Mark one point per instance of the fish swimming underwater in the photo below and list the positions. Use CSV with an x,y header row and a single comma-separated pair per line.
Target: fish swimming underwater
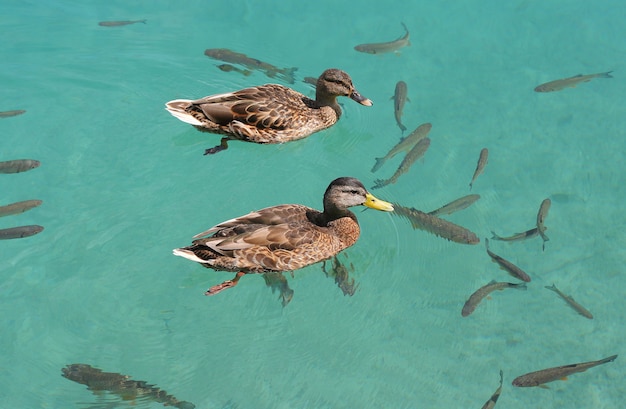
x,y
480,166
534,232
120,23
20,232
571,302
571,82
19,207
18,165
405,144
436,226
232,57
491,403
386,47
482,292
456,205
541,218
414,154
120,385
507,266
543,376
399,99
8,114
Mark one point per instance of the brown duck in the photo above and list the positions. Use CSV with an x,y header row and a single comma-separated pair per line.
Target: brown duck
x,y
268,113
284,237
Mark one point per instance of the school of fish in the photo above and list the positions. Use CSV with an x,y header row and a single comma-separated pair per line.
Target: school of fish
x,y
415,146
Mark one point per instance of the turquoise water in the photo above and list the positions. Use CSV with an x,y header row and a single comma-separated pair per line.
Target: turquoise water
x,y
123,183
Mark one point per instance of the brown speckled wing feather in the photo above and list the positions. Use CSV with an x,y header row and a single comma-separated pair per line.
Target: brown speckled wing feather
x,y
270,106
268,216
283,236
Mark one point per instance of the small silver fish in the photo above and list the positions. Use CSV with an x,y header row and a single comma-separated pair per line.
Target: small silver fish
x,y
20,232
507,266
534,232
18,165
19,207
456,205
8,114
399,99
475,299
570,82
491,403
120,23
387,47
541,217
414,154
405,144
482,162
543,376
436,226
570,301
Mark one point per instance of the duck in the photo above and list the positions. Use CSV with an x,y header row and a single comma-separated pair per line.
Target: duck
x,y
285,237
270,113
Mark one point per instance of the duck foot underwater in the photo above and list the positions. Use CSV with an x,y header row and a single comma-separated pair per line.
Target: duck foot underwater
x,y
225,285
221,147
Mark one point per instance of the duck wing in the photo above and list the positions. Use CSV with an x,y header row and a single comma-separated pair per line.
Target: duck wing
x,y
289,236
269,216
270,106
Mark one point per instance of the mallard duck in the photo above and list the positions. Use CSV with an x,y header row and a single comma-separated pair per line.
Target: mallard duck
x,y
268,113
285,237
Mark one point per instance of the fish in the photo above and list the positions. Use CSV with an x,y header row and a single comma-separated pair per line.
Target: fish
x,y
414,154
482,162
232,68
456,205
8,114
20,232
570,301
405,144
399,99
570,82
18,165
543,376
534,232
491,403
436,226
478,295
19,207
507,266
310,81
541,217
120,23
232,57
387,47
120,385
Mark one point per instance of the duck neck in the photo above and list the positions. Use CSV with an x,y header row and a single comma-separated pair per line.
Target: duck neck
x,y
330,214
326,100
